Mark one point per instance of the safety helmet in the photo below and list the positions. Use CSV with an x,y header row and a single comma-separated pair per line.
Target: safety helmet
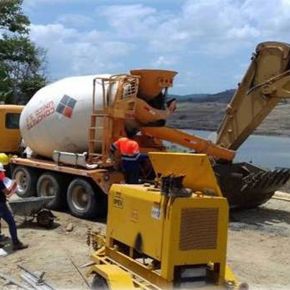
x,y
4,159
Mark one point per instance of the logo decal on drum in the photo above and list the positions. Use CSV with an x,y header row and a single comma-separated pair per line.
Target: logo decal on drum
x,y
66,106
38,115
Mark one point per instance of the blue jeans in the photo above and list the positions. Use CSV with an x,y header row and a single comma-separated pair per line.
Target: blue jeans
x,y
7,216
132,177
131,171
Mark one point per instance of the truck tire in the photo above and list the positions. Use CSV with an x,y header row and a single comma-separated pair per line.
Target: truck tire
x,y
26,179
50,184
81,199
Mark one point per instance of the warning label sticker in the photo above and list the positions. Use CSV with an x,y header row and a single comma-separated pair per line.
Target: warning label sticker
x,y
156,212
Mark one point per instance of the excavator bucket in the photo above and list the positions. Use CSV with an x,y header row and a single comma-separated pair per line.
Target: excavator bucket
x,y
248,186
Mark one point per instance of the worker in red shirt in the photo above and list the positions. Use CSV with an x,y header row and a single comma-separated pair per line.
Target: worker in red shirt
x,y
130,156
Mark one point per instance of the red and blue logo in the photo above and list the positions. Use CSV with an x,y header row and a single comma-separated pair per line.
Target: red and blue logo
x,y
66,106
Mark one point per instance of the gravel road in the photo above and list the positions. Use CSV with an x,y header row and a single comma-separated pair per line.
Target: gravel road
x,y
258,248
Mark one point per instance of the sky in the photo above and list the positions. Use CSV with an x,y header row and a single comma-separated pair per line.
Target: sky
x,y
208,42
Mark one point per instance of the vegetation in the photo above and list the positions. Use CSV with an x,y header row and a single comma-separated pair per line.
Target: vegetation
x,y
21,62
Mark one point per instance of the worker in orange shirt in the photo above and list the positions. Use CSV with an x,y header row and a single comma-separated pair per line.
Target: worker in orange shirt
x,y
130,156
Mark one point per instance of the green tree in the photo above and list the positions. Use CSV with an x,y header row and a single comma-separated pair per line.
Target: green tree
x,y
21,62
5,90
12,17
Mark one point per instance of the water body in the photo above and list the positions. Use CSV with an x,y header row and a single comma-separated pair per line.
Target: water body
x,y
265,151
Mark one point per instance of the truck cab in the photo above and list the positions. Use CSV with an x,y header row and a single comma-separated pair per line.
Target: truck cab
x,y
9,128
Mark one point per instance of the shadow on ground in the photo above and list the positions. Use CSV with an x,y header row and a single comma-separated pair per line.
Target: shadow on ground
x,y
261,218
25,224
260,215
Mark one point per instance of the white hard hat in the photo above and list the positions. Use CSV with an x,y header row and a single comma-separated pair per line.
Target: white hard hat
x,y
2,167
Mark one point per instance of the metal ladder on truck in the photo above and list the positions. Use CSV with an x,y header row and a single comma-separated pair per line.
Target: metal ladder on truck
x,y
119,93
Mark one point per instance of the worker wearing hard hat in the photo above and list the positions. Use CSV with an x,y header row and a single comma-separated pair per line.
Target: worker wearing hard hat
x,y
130,156
6,214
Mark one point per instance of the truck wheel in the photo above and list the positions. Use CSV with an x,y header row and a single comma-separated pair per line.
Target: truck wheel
x,y
49,184
99,283
81,199
26,180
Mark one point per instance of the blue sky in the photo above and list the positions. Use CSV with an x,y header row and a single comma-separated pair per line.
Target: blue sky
x,y
208,42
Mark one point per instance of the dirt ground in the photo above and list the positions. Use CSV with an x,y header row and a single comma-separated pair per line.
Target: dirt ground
x,y
258,249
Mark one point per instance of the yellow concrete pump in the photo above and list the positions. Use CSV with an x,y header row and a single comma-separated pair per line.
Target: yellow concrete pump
x,y
171,234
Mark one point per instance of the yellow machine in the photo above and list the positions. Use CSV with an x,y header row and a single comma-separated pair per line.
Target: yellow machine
x,y
171,235
9,128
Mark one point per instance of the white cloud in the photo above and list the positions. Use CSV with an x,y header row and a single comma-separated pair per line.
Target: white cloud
x,y
72,52
51,33
130,21
204,24
194,31
33,3
164,61
75,20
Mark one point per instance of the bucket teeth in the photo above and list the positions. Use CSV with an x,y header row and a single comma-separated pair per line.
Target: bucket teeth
x,y
246,185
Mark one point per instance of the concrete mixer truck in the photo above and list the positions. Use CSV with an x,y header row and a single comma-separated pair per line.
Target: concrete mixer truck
x,y
68,126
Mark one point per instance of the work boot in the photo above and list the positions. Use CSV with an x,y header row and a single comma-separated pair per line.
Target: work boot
x,y
19,246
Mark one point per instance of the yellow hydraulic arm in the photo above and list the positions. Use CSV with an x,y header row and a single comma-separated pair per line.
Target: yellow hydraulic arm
x,y
266,81
196,143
